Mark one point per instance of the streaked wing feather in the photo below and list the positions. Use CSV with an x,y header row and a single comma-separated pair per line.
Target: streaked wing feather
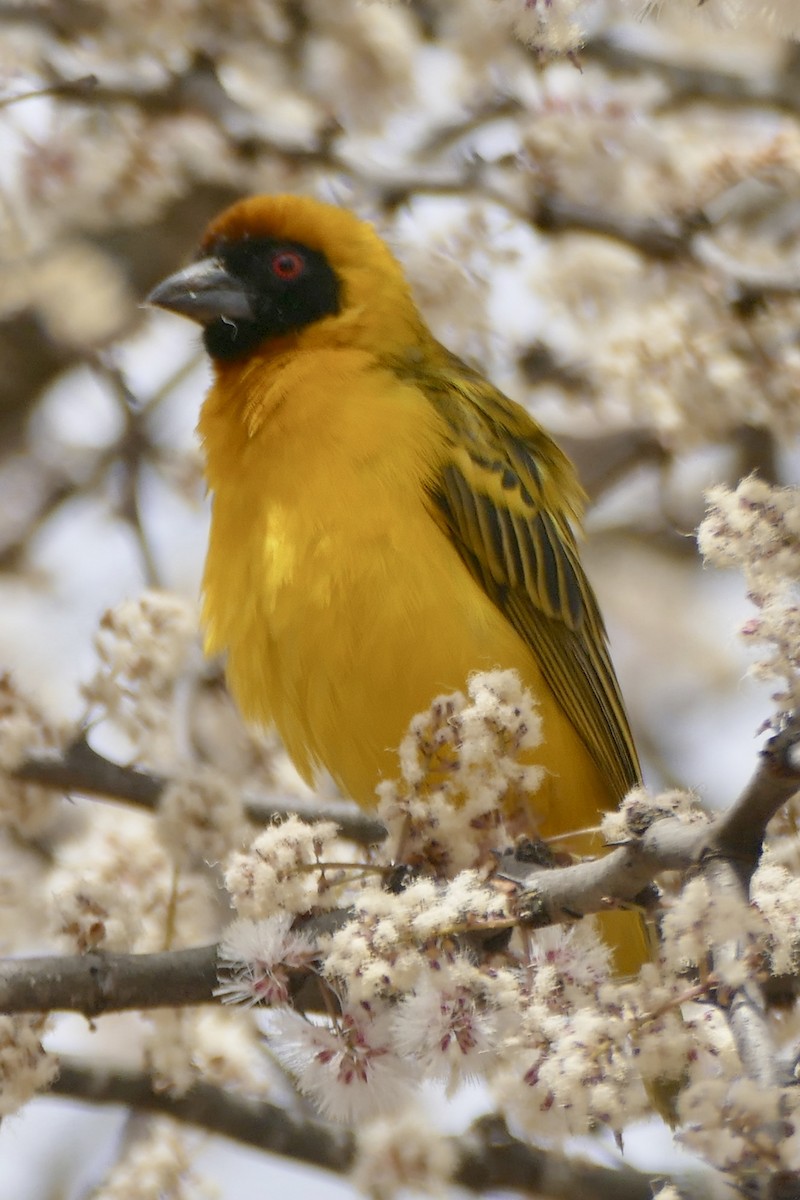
x,y
506,497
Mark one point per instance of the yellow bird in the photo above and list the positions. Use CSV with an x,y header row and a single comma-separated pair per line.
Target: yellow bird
x,y
384,521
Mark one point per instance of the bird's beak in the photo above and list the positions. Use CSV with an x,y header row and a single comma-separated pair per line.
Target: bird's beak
x,y
203,292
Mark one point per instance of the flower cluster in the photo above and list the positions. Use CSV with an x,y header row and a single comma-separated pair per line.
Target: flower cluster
x,y
25,732
740,1126
114,887
201,816
757,529
158,1162
283,870
699,919
554,28
465,768
142,646
427,981
423,977
256,959
25,1066
638,810
776,895
406,1152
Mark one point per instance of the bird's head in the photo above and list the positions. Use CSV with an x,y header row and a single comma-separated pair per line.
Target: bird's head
x,y
272,267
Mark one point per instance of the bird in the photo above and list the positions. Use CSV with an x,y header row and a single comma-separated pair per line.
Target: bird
x,y
384,521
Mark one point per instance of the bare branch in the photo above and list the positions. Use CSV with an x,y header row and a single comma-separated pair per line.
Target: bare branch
x,y
688,83
728,865
81,769
668,238
251,1122
93,984
488,1157
740,829
735,837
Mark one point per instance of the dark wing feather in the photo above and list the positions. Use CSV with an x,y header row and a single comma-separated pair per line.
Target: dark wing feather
x,y
507,498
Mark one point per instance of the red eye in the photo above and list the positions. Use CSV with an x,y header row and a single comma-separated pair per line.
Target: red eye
x,y
288,264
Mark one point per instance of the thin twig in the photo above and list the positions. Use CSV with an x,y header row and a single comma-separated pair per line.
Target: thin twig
x,y
80,769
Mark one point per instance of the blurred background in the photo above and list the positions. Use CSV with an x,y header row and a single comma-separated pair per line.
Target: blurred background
x,y
598,206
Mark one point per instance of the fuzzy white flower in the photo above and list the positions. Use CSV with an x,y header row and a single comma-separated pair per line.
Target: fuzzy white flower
x,y
736,1123
757,529
467,766
229,1049
567,964
568,1072
463,903
201,816
115,888
375,956
350,1069
257,957
776,895
169,1050
280,869
639,809
81,295
698,921
556,27
402,1154
394,939
142,646
25,1065
25,732
777,17
156,1164
447,1026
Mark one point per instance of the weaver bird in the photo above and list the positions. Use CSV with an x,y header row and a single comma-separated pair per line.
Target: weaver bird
x,y
384,521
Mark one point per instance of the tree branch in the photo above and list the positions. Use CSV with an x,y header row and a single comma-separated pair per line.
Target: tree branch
x,y
689,84
726,849
81,769
735,836
488,1157
251,1122
93,984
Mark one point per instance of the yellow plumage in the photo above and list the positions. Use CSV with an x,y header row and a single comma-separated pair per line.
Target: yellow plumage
x,y
386,522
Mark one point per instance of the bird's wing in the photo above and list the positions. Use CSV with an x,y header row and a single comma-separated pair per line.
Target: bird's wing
x,y
506,497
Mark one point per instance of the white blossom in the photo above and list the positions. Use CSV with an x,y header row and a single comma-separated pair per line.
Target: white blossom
x,y
256,957
157,1163
281,869
142,646
349,1069
25,732
757,528
403,1153
699,921
447,1025
25,1066
466,764
201,816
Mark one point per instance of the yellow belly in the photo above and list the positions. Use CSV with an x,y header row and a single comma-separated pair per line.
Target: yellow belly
x,y
378,629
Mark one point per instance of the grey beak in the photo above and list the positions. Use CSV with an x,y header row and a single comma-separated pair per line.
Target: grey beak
x,y
203,292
